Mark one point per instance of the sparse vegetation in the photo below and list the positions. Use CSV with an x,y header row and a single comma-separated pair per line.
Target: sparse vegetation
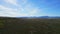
x,y
25,26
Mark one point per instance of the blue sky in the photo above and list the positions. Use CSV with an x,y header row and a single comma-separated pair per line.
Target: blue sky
x,y
28,8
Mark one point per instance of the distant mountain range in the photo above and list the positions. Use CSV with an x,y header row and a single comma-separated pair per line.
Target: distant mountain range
x,y
47,17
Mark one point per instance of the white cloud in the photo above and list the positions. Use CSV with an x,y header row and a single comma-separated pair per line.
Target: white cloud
x,y
4,11
14,2
28,8
20,11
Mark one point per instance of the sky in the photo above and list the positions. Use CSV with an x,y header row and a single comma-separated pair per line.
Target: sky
x,y
28,8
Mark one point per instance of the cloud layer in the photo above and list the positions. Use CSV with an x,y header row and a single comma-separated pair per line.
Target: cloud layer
x,y
23,9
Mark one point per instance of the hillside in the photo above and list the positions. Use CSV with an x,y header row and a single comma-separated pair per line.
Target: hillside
x,y
28,26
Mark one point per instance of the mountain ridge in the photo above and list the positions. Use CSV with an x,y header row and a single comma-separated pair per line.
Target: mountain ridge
x,y
34,17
